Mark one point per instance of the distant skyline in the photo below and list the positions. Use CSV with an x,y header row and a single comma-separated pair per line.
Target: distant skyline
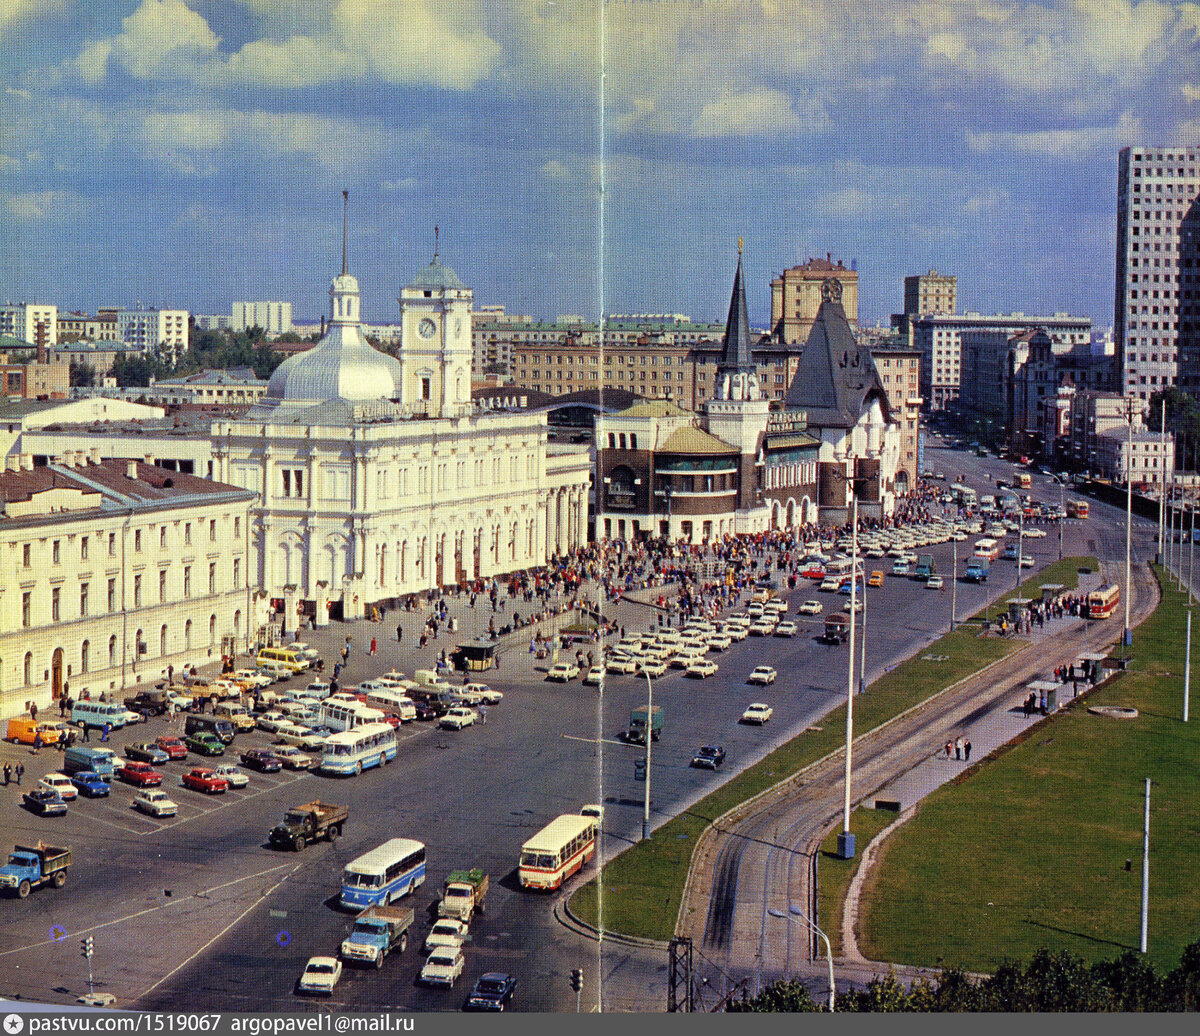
x,y
189,153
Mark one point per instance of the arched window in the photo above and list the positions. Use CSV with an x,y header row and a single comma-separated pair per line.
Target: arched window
x,y
622,440
612,440
27,671
633,440
162,640
84,651
112,650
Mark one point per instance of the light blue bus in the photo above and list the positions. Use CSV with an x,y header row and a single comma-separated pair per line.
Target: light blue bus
x,y
386,873
352,751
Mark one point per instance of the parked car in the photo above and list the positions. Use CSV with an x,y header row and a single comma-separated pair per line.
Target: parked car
x,y
709,756
446,931
261,759
291,757
652,667
204,743
757,712
763,674
140,774
205,780
701,668
173,746
91,784
60,784
232,774
424,711
320,975
621,664
563,671
301,737
494,991
786,629
147,752
271,721
156,803
44,802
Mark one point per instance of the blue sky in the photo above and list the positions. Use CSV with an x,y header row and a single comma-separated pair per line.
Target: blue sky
x,y
192,152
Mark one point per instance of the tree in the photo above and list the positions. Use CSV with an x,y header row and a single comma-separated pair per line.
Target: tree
x,y
82,374
137,370
780,997
1183,420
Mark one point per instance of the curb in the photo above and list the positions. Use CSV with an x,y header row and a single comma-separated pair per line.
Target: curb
x,y
564,916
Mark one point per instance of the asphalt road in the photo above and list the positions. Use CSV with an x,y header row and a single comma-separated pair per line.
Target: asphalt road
x,y
199,913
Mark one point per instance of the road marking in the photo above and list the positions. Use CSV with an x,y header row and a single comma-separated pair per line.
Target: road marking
x,y
162,906
230,802
235,921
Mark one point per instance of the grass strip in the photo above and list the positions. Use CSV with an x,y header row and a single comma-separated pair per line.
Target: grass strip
x,y
835,874
1032,851
643,886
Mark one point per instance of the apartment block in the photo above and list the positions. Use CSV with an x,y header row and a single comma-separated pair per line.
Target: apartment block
x,y
275,318
1158,269
796,297
33,323
900,371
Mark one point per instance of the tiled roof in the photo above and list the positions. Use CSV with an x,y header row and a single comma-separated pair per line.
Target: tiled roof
x,y
655,408
695,441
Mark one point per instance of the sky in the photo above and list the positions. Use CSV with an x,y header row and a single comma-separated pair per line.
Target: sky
x,y
578,157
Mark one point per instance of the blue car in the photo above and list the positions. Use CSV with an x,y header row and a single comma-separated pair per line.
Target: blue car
x,y
91,784
44,802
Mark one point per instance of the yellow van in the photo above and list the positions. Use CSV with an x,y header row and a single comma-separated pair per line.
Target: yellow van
x,y
23,730
287,656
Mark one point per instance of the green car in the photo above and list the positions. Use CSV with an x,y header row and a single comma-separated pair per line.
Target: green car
x,y
203,743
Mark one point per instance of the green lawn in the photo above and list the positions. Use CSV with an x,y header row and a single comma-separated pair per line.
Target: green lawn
x,y
835,874
1031,851
644,885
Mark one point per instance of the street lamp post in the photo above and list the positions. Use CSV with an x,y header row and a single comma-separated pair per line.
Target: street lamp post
x,y
846,839
794,912
954,584
649,733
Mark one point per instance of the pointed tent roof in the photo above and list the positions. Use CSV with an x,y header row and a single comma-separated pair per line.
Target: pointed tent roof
x,y
836,378
737,327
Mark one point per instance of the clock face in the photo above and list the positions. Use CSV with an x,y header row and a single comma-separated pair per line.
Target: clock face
x,y
426,328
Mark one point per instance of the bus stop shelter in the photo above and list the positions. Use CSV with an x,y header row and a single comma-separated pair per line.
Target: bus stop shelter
x,y
1050,591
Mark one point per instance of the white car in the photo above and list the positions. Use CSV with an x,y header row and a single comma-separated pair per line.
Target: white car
x,y
232,774
592,809
321,974
156,803
685,659
594,676
785,629
253,677
1035,534
291,757
811,608
830,584
563,671
621,664
301,737
59,783
469,695
735,631
934,582
444,965
763,628
719,641
762,674
446,932
457,718
757,712
486,694
1026,561
652,667
701,668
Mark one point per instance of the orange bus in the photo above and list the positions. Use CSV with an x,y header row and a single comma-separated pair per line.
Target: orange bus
x,y
1103,601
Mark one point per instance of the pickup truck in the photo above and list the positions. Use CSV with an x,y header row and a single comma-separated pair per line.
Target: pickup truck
x,y
377,930
462,894
307,823
31,866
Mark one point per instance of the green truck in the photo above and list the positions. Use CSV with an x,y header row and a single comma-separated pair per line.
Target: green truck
x,y
637,724
462,894
308,822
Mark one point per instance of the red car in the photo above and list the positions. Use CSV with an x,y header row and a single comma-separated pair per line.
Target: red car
x,y
141,774
205,780
391,719
173,746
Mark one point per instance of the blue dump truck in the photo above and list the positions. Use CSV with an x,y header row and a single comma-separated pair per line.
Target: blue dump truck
x,y
925,567
31,866
977,570
376,931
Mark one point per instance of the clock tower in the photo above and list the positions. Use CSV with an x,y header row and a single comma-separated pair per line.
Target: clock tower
x,y
435,343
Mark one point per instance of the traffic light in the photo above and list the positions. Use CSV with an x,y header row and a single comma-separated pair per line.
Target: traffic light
x,y
88,946
639,769
577,979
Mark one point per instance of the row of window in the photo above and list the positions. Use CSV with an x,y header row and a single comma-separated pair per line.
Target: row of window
x,y
112,602
85,542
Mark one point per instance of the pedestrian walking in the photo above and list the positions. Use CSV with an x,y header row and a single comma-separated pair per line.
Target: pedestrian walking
x,y
37,742
7,774
399,634
107,730
33,711
19,772
949,748
373,647
958,744
967,751
87,733
345,653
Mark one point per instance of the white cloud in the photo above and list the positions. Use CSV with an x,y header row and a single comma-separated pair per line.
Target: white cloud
x,y
28,206
1190,92
554,170
1060,143
6,162
13,91
752,113
12,11
161,39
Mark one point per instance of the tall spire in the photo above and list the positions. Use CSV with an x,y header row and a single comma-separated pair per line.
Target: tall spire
x,y
435,242
345,205
737,325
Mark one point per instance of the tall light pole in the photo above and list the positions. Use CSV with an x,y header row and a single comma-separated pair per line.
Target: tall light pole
x,y
954,581
794,912
1146,867
649,739
1162,494
846,839
1125,638
862,662
1062,514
